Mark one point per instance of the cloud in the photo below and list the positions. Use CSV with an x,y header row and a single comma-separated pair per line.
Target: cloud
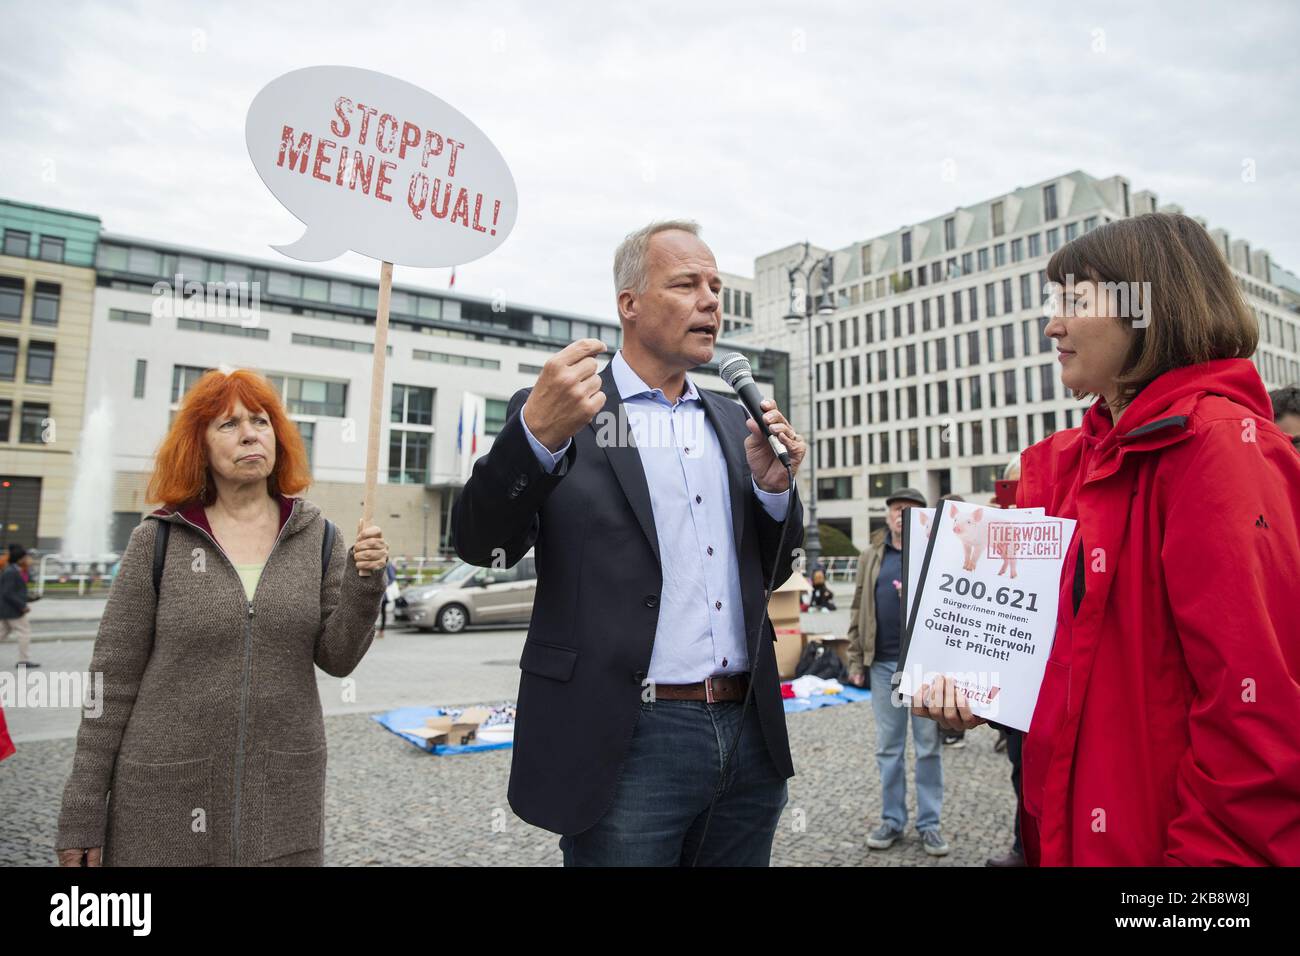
x,y
768,124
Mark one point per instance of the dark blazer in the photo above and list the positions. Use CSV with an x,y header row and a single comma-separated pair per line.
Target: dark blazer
x,y
594,616
13,593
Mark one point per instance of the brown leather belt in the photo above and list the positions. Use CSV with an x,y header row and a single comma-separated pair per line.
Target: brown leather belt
x,y
713,690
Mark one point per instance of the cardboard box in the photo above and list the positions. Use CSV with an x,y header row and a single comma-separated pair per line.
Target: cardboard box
x,y
462,731
789,648
783,607
423,733
783,610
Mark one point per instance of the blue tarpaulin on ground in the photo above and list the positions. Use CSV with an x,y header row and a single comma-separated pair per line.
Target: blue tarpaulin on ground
x,y
405,718
849,695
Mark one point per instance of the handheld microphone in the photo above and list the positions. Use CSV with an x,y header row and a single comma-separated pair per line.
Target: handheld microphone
x,y
734,369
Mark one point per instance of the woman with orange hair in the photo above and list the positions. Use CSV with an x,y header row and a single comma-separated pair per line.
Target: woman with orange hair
x,y
208,747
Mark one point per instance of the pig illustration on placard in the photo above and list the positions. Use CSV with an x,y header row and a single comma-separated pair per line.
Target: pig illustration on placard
x,y
924,518
1007,553
973,532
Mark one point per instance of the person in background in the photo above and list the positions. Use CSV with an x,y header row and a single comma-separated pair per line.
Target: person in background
x,y
390,595
821,594
1010,739
1286,412
875,642
14,603
6,743
1165,727
955,739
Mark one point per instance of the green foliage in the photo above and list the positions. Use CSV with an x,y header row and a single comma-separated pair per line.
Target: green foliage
x,y
835,543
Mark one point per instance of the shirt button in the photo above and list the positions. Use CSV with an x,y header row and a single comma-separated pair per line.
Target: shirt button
x,y
710,550
717,605
652,600
698,499
687,450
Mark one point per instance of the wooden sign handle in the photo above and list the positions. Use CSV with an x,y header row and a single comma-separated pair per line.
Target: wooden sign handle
x,y
376,395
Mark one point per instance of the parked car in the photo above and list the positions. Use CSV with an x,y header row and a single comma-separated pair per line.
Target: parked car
x,y
466,594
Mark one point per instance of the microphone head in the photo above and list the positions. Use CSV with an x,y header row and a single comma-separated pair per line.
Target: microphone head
x,y
734,369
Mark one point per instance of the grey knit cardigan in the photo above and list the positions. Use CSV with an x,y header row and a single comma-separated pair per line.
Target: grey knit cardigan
x,y
210,748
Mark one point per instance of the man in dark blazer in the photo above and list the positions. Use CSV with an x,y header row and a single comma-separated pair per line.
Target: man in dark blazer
x,y
656,512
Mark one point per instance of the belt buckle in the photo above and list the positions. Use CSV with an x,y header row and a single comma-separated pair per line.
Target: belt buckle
x,y
708,691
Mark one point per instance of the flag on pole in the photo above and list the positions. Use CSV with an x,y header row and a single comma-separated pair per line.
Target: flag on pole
x,y
470,431
452,283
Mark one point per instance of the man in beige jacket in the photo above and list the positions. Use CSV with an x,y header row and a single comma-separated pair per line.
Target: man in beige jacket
x,y
875,639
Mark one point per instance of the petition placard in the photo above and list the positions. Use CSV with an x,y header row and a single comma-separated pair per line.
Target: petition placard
x,y
984,605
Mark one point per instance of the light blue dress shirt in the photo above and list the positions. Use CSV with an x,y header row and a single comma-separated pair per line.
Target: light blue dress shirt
x,y
701,628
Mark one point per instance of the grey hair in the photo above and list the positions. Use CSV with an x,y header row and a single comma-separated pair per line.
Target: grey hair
x,y
1013,468
629,260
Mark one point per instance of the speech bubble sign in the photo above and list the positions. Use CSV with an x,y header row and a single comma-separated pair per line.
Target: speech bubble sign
x,y
379,166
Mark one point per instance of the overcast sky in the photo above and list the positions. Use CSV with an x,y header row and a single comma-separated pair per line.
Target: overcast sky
x,y
768,123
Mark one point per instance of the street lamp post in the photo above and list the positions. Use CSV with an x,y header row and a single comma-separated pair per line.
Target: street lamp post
x,y
4,534
801,299
425,537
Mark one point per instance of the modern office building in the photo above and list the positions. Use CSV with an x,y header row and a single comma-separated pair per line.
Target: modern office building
x,y
47,283
933,372
737,304
163,314
1288,284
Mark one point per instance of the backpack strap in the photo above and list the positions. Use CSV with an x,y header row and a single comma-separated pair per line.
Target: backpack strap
x,y
161,535
327,546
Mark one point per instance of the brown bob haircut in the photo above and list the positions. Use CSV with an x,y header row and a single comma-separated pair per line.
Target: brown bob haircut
x,y
1195,311
180,473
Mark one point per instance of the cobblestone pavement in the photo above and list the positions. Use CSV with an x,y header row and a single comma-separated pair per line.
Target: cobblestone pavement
x,y
391,804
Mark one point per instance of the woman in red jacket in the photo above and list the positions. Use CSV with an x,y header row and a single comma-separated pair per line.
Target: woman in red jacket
x,y
1166,730
6,743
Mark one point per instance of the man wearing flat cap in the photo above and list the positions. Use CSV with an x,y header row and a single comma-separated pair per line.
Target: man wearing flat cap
x,y
875,641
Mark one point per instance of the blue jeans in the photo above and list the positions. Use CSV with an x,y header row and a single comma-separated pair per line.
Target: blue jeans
x,y
891,745
670,774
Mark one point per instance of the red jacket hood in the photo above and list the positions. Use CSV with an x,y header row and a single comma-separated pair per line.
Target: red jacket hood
x,y
1177,393
1160,415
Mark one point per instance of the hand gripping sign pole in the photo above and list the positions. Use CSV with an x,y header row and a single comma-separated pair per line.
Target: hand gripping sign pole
x,y
376,165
